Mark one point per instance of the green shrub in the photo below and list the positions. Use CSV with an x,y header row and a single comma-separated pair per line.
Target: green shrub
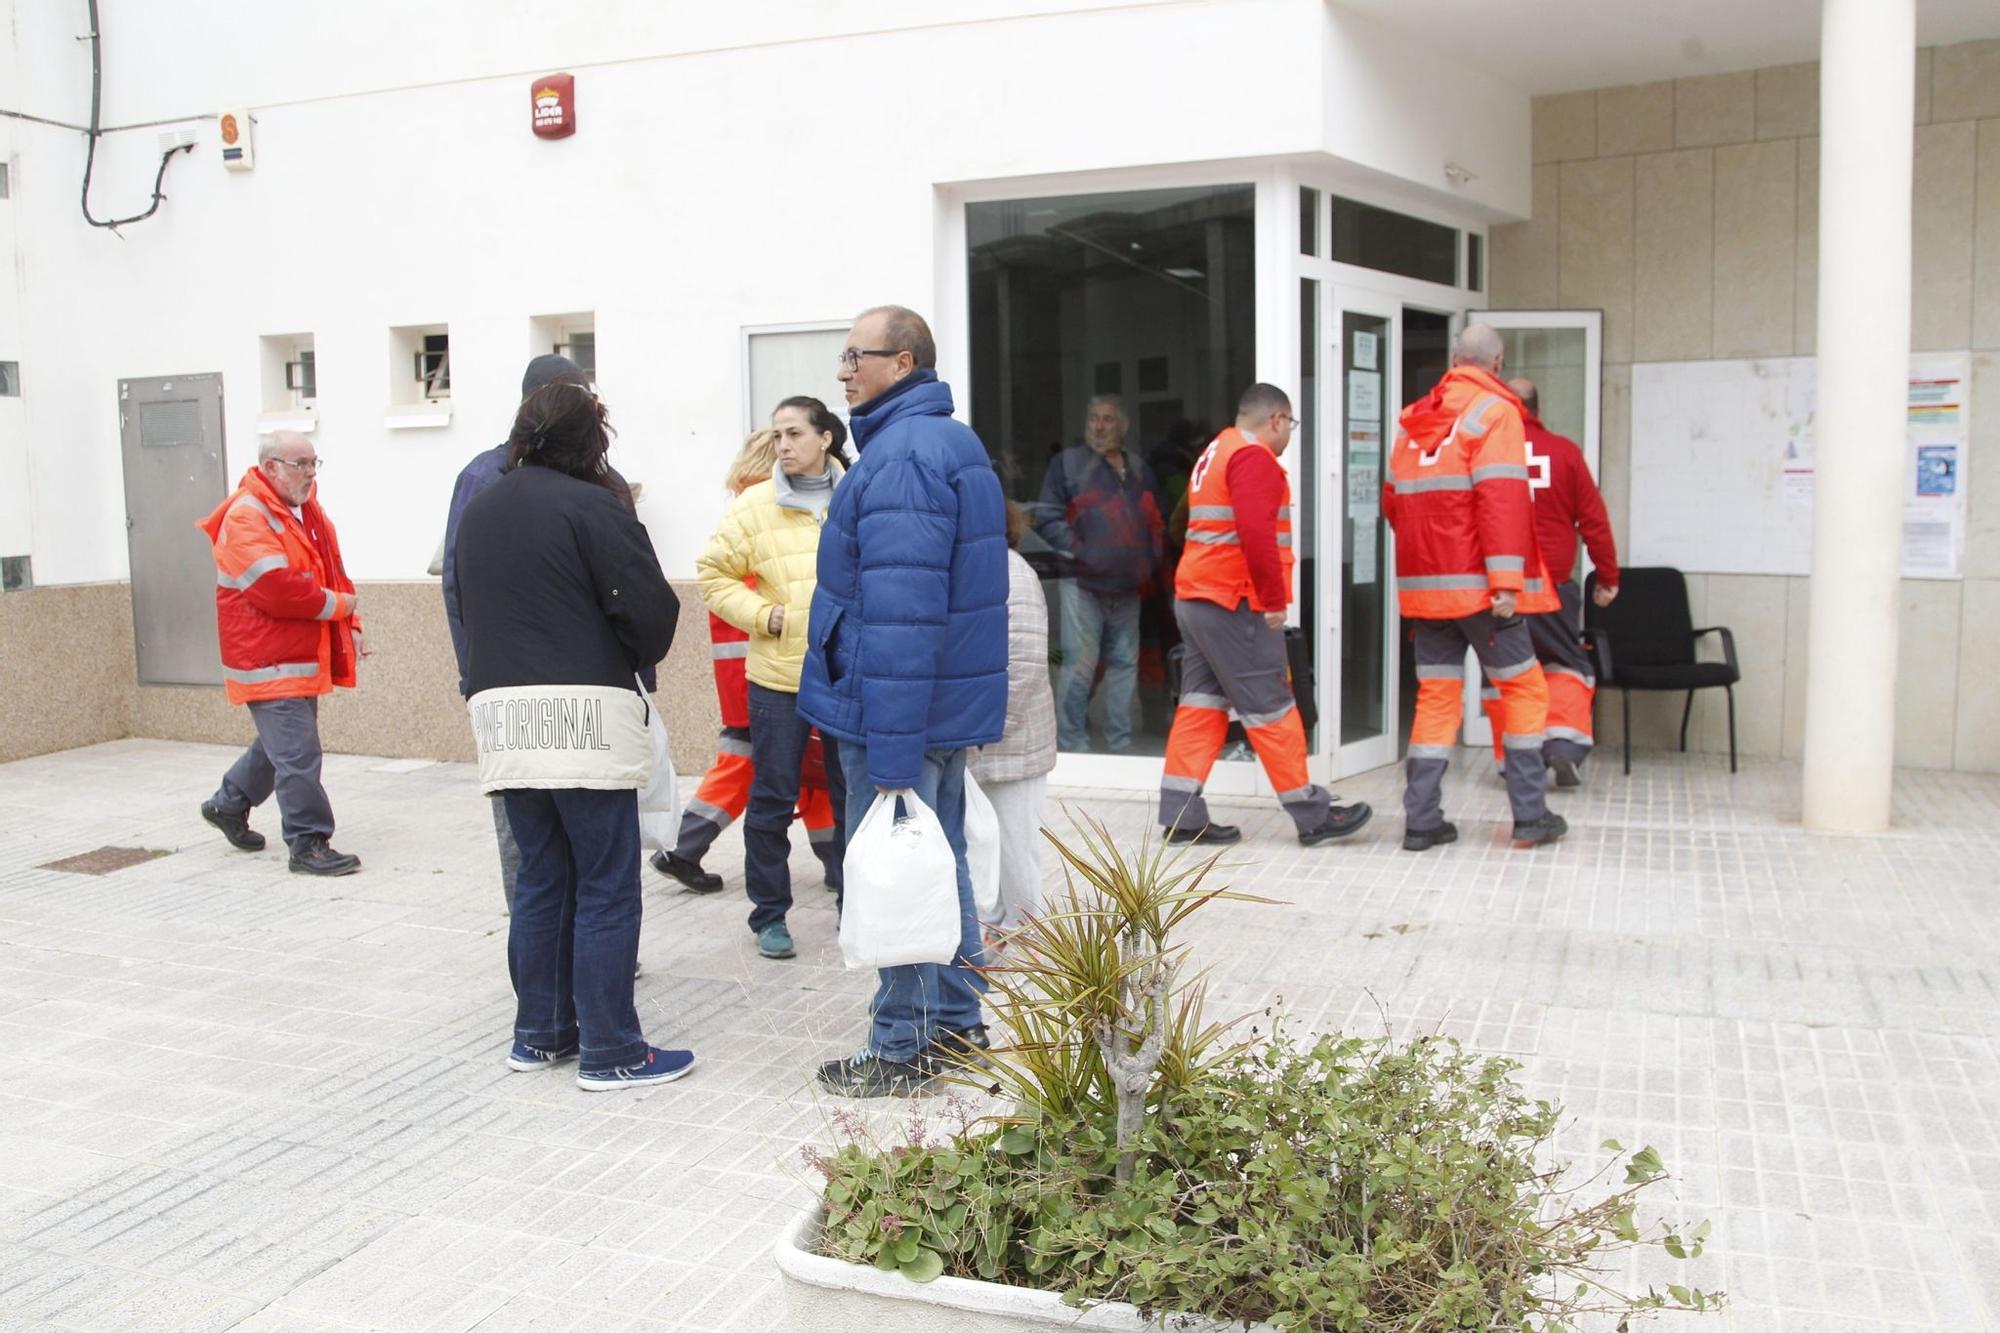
x,y
1340,1184
1346,1185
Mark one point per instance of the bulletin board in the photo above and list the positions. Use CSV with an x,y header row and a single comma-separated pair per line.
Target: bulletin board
x,y
1723,465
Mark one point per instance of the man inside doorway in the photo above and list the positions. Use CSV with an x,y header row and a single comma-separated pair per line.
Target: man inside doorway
x,y
1099,507
285,615
1231,590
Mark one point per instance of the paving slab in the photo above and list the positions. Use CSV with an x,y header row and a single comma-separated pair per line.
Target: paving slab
x,y
244,1098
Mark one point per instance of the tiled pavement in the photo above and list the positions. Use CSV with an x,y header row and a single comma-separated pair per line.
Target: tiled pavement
x,y
240,1098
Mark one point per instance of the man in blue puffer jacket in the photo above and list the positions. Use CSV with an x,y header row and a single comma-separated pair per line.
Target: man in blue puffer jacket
x,y
907,658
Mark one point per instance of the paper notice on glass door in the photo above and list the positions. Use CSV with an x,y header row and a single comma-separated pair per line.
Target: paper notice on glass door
x,y
1364,397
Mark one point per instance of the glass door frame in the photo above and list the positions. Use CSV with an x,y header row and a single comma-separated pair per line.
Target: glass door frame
x,y
1279,267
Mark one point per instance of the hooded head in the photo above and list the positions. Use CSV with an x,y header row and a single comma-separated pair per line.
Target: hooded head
x,y
551,369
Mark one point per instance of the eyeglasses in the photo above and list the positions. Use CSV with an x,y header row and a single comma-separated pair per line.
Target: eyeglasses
x,y
850,359
306,465
1287,417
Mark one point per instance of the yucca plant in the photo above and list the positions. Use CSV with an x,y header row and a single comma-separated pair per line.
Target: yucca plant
x,y
1107,1020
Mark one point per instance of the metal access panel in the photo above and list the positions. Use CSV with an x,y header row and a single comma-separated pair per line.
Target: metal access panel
x,y
170,430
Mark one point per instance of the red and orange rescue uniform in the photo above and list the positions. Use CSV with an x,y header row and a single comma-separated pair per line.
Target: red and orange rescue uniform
x,y
284,606
1239,558
725,789
1567,503
1457,496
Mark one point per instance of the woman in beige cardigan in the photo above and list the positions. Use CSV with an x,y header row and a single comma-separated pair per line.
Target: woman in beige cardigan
x,y
1014,771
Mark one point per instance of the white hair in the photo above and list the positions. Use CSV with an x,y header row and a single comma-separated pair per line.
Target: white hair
x,y
1478,345
267,448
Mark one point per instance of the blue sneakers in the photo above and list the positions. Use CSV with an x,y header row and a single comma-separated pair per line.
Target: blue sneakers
x,y
658,1067
774,941
526,1059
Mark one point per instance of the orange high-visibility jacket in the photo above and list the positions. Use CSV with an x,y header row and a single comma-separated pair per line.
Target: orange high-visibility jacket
x,y
284,613
1212,568
1457,496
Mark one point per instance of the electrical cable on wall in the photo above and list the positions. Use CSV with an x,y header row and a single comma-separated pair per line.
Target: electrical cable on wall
x,y
95,131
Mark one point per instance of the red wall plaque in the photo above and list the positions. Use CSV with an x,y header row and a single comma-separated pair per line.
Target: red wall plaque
x,y
554,106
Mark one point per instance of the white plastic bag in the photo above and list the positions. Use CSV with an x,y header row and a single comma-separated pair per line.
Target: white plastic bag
x,y
982,852
900,903
660,798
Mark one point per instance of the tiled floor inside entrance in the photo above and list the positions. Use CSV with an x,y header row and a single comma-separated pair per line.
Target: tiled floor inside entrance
x,y
242,1098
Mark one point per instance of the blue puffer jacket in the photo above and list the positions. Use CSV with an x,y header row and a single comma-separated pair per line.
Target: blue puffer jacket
x,y
908,647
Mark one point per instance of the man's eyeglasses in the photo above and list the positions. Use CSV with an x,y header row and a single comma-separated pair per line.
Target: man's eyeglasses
x,y
850,359
1286,416
305,465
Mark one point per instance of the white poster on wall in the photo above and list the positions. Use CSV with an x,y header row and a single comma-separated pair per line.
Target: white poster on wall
x,y
1724,466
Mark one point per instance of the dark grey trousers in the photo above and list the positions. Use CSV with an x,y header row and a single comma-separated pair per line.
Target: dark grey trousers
x,y
285,758
510,851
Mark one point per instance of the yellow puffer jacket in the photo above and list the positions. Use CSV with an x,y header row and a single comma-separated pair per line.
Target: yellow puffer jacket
x,y
772,533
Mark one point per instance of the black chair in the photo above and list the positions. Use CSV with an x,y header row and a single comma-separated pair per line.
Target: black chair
x,y
1645,640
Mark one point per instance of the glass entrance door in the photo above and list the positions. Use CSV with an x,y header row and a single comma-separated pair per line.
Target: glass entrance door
x,y
1363,357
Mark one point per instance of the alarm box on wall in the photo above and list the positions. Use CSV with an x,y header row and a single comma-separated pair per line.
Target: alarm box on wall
x,y
233,128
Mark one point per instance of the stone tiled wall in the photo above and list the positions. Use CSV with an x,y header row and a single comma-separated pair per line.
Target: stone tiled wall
x,y
67,679
1688,211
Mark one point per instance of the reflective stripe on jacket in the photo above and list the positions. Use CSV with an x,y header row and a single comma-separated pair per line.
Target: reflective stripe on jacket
x,y
284,611
1213,568
1457,496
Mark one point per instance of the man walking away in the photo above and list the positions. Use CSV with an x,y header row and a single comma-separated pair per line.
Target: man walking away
x,y
1231,590
906,660
285,612
1567,502
1466,562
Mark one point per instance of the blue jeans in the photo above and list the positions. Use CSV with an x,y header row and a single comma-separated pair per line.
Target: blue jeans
x,y
574,937
778,738
1094,625
913,1002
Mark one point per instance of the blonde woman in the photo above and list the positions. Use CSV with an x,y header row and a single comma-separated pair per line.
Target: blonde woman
x,y
725,788
758,574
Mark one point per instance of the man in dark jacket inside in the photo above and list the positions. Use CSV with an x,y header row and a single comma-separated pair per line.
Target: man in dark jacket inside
x,y
1098,507
906,663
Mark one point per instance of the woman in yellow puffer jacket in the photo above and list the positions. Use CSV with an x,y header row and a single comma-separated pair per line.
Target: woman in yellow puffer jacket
x,y
771,531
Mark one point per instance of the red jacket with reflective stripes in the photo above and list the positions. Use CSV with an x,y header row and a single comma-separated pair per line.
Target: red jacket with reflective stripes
x,y
1457,496
284,606
1567,502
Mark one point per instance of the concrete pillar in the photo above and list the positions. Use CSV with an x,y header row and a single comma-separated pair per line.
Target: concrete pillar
x,y
1867,90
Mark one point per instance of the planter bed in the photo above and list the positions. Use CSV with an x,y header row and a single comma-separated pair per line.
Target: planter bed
x,y
831,1295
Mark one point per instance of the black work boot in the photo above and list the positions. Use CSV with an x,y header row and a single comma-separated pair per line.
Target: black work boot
x,y
314,855
1422,840
1214,835
1548,828
1341,820
689,873
234,827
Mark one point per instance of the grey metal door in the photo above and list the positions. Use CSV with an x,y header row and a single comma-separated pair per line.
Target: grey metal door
x,y
171,432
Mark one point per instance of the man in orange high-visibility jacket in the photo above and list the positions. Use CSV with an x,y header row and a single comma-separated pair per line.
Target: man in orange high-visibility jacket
x,y
1466,563
285,615
1231,590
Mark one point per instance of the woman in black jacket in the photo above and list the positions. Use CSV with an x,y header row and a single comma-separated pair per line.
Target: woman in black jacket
x,y
564,603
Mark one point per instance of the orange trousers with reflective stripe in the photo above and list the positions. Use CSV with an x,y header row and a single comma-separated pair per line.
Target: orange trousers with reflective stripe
x,y
1572,681
724,794
1231,659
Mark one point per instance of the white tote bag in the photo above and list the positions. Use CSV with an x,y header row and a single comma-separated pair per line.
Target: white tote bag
x,y
982,852
660,798
901,899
